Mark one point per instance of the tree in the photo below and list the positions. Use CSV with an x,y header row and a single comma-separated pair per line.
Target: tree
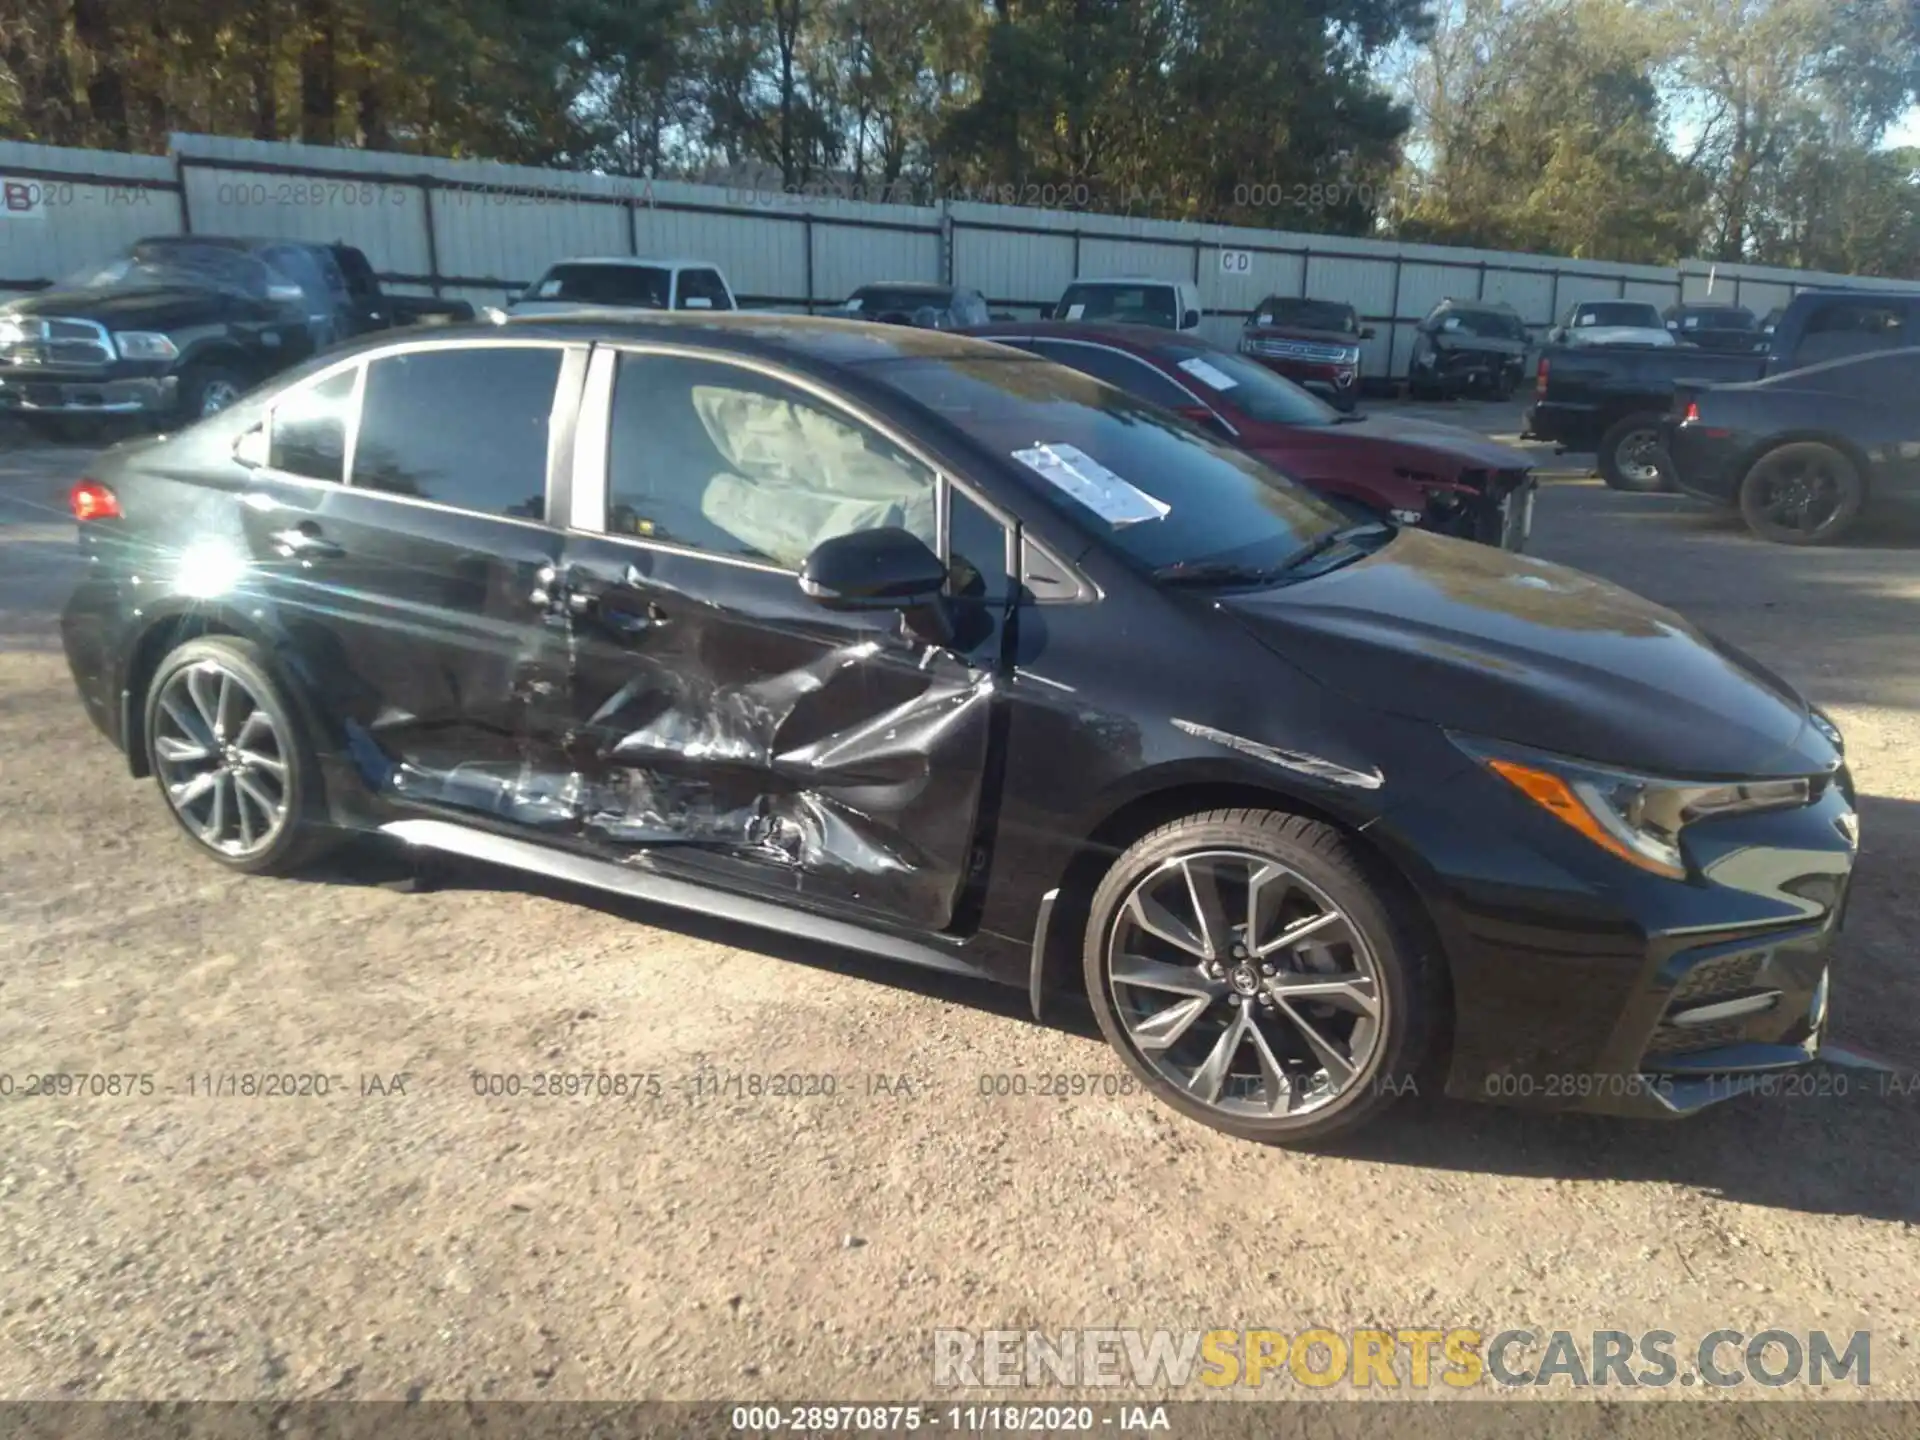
x,y
1544,131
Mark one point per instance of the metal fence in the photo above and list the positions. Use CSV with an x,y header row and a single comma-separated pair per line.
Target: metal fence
x,y
482,231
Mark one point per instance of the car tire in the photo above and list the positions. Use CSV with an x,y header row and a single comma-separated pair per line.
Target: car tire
x,y
1834,480
232,759
1183,1028
206,389
1624,459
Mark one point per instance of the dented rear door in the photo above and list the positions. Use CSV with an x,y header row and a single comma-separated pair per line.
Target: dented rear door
x,y
725,725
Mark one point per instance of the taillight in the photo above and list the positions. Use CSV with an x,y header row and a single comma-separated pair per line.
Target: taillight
x,y
93,501
1540,379
1692,415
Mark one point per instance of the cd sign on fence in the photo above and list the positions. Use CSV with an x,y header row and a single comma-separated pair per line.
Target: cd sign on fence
x,y
1236,262
22,199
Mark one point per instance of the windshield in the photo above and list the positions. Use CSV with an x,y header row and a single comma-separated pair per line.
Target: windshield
x,y
216,267
1126,304
1144,481
1249,387
1618,312
1717,319
642,286
1489,324
877,300
1307,314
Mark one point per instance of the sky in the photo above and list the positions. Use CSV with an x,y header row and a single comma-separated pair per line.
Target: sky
x,y
1907,132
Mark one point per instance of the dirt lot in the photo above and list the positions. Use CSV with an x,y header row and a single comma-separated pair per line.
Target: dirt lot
x,y
427,1241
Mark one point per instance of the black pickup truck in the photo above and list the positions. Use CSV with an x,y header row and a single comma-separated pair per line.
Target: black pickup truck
x,y
178,327
1612,399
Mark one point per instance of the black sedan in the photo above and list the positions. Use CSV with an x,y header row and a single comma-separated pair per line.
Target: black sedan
x,y
906,642
1804,455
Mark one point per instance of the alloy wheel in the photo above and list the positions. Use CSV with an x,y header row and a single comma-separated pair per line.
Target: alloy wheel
x,y
221,759
1802,496
1638,456
217,396
1242,984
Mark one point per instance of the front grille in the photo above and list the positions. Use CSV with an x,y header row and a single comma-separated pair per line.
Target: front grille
x,y
53,341
1300,350
1675,1040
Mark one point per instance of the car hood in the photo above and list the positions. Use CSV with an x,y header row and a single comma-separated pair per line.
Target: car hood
x,y
148,307
568,307
1478,640
1619,335
1468,448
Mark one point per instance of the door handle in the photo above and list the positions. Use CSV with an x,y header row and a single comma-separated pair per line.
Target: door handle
x,y
617,618
305,542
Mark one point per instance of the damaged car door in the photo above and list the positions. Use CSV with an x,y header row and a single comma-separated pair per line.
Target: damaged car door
x,y
411,576
724,722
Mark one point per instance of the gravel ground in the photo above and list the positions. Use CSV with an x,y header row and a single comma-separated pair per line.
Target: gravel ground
x,y
404,1236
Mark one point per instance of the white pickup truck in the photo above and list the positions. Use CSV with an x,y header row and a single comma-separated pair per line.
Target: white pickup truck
x,y
1131,300
626,282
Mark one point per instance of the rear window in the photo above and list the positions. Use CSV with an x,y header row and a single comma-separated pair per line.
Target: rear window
x,y
642,286
1125,304
1162,490
1489,324
872,302
1617,312
1717,319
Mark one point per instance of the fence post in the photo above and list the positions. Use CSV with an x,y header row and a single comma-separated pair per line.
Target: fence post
x,y
1553,301
1306,264
1480,284
946,241
425,182
180,179
633,225
1393,319
806,243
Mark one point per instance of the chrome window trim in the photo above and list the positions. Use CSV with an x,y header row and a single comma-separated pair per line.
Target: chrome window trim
x,y
361,361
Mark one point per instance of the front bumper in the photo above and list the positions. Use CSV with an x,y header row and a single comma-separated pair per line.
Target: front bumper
x,y
1581,983
1336,382
54,392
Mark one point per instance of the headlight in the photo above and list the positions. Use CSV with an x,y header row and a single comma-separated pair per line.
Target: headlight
x,y
144,345
1822,722
1350,356
1637,817
12,332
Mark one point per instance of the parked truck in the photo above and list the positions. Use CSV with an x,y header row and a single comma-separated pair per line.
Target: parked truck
x,y
177,327
1612,400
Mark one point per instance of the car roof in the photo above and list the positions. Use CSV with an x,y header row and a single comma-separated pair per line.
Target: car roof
x,y
645,262
1491,307
1149,339
931,287
764,333
1125,280
1707,305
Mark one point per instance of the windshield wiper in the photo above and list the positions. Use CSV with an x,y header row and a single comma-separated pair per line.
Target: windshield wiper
x,y
1215,572
1320,545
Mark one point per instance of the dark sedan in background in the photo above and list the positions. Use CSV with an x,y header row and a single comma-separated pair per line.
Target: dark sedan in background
x,y
1468,347
1415,472
903,302
1806,455
1314,343
885,638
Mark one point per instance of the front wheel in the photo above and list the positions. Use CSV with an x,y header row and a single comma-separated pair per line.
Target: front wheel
x,y
1255,973
1802,494
232,760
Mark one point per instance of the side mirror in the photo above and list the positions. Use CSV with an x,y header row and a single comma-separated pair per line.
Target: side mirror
x,y
1046,312
890,569
1367,333
1190,320
250,447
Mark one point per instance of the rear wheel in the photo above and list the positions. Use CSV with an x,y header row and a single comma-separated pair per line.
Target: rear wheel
x,y
1256,975
1631,456
231,758
1802,494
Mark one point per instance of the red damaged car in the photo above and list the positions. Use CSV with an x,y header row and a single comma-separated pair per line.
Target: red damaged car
x,y
1415,472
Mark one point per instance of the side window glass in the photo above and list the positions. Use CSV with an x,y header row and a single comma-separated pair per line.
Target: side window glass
x,y
976,551
463,425
721,458
1136,377
698,285
307,431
